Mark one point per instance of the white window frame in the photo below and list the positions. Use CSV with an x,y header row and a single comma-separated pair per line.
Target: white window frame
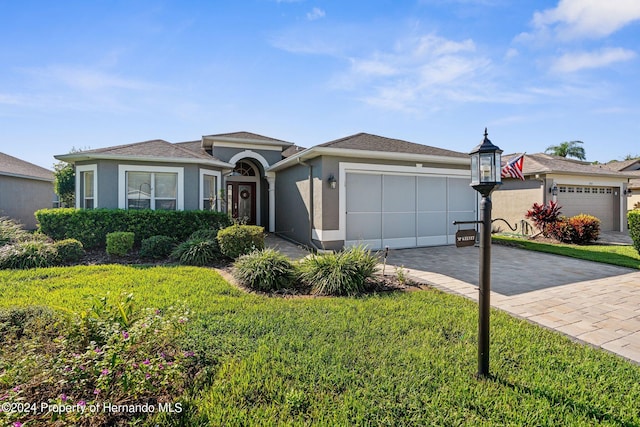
x,y
218,177
122,182
80,169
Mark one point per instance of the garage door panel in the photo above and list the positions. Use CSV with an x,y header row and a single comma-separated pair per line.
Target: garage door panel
x,y
432,224
399,225
399,193
364,226
461,197
432,194
363,192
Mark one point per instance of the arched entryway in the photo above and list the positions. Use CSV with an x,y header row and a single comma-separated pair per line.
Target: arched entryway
x,y
243,190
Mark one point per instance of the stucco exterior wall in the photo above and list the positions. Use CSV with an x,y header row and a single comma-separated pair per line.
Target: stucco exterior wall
x,y
293,202
513,199
21,197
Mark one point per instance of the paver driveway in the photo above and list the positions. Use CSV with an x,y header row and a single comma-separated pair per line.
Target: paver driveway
x,y
593,302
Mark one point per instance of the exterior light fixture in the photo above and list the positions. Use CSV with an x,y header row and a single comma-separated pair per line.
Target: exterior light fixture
x,y
485,166
553,190
332,181
628,192
485,177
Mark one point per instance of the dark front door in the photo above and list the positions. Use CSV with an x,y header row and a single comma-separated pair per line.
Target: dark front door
x,y
241,199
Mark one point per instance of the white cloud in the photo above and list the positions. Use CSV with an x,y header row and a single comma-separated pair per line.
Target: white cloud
x,y
571,62
587,18
419,72
316,13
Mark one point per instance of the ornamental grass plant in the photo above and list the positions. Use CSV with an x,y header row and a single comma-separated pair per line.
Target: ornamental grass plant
x,y
339,273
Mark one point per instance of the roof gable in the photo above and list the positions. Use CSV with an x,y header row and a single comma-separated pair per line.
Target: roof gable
x,y
13,166
246,137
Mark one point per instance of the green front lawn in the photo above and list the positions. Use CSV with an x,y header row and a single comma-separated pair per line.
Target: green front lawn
x,y
624,256
392,359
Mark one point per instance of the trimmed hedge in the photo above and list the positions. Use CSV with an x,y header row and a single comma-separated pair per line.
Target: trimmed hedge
x,y
634,228
91,226
238,240
119,243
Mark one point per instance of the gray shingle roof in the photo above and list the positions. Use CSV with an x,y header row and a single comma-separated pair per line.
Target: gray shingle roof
x,y
633,164
154,148
13,166
369,142
546,163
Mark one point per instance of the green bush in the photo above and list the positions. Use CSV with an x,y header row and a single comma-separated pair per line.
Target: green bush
x,y
339,273
157,247
68,251
91,226
238,240
634,228
585,229
28,254
580,229
120,242
197,252
265,270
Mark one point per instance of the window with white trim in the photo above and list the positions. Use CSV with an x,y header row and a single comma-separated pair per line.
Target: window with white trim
x,y
152,190
209,194
86,186
150,187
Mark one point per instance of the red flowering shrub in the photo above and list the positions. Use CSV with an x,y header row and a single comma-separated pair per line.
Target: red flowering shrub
x,y
544,217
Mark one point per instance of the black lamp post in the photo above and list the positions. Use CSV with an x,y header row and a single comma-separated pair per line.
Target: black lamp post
x,y
485,177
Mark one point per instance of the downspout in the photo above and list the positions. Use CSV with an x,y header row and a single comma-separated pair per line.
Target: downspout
x,y
311,207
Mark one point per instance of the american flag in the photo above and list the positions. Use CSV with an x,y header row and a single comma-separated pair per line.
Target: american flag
x,y
513,168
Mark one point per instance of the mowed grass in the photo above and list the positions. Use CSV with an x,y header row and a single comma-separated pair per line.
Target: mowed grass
x,y
392,359
624,256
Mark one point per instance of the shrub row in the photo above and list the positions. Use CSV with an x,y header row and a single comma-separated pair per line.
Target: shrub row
x,y
634,227
20,249
339,273
579,229
91,226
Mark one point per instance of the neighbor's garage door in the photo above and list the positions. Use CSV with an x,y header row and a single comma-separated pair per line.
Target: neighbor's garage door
x,y
596,201
402,211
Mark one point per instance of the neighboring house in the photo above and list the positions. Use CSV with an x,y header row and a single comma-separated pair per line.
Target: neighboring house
x,y
359,189
579,187
631,167
24,188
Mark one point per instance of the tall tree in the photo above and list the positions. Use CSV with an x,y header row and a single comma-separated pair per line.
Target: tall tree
x,y
65,183
567,149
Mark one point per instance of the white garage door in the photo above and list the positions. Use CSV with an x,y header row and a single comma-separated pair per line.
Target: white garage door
x,y
402,211
596,201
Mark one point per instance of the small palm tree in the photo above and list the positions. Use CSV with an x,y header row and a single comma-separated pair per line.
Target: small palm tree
x,y
567,149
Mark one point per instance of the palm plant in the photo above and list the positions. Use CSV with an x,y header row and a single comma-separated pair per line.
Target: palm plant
x,y
567,149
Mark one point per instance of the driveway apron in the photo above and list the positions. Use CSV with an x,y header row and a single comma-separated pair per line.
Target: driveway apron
x,y
592,302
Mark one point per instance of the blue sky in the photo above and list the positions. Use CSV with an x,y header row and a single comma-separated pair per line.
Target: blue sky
x,y
90,74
